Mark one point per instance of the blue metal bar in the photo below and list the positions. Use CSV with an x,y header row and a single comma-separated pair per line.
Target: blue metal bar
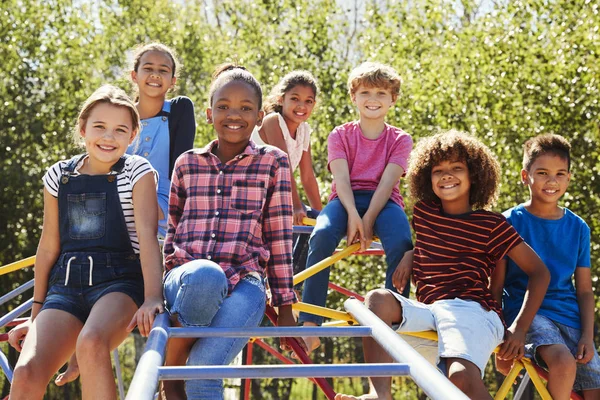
x,y
349,331
16,313
425,375
307,230
14,293
145,379
6,368
283,371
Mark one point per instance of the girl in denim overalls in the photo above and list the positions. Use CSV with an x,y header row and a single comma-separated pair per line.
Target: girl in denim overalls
x,y
168,126
98,259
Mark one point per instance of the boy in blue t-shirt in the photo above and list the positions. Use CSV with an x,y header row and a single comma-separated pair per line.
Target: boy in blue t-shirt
x,y
561,335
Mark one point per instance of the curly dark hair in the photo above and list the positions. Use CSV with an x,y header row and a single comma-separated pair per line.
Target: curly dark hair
x,y
546,144
484,170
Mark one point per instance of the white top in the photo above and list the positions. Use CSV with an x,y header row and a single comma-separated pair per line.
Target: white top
x,y
296,146
135,168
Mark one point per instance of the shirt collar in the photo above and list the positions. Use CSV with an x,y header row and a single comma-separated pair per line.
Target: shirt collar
x,y
250,150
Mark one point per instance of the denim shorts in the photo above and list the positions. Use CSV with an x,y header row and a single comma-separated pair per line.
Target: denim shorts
x,y
79,279
465,329
543,332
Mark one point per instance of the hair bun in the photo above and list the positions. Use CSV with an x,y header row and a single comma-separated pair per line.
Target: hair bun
x,y
224,68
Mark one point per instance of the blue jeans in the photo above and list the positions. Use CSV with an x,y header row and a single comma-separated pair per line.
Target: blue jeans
x,y
197,293
391,226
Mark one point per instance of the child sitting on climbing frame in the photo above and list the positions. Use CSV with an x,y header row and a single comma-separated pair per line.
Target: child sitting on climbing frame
x,y
367,158
454,176
561,335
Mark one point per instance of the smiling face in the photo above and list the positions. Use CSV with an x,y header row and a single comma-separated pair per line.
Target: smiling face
x,y
548,178
154,75
234,113
298,103
451,182
372,102
107,133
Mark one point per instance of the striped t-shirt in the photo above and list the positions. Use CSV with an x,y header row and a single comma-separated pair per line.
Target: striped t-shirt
x,y
454,256
135,168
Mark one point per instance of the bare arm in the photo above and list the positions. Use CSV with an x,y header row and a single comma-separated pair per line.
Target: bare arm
x,y
309,181
47,253
585,299
391,175
539,278
146,225
341,177
271,131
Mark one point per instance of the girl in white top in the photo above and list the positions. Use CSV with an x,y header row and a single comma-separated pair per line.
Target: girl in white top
x,y
288,107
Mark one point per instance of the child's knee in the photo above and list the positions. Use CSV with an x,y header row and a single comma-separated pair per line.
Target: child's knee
x,y
27,377
464,375
90,344
383,304
559,359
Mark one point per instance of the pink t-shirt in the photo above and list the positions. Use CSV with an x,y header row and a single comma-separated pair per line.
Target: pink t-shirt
x,y
367,158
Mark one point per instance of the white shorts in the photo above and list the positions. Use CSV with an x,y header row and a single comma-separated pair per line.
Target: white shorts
x,y
465,329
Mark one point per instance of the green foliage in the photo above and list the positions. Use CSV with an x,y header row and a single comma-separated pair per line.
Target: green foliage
x,y
502,70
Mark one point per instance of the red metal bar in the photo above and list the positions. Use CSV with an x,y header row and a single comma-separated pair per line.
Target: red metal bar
x,y
368,252
321,382
271,350
345,291
248,382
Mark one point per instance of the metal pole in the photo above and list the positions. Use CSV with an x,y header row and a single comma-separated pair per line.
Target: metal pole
x,y
11,295
282,371
119,374
289,331
145,379
6,367
425,375
17,312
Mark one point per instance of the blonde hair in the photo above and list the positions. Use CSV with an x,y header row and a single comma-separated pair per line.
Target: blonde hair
x,y
107,94
372,74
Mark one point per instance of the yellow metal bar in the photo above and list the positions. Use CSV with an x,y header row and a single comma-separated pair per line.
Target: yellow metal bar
x,y
27,262
323,312
338,323
507,384
430,335
320,266
537,380
309,221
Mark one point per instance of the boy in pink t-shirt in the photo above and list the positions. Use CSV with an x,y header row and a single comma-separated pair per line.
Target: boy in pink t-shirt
x,y
367,158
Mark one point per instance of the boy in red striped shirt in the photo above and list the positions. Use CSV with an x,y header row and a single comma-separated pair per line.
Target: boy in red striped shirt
x,y
455,177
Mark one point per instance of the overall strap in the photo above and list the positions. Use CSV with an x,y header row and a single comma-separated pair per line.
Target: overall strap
x,y
72,164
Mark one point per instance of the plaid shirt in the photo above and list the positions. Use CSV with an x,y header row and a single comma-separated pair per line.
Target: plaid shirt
x,y
237,214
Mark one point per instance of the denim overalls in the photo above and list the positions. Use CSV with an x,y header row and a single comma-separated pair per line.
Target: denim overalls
x,y
154,145
96,254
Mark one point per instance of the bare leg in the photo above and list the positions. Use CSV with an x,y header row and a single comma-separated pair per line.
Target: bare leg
x,y
562,368
385,306
70,374
467,377
48,345
104,330
177,354
312,342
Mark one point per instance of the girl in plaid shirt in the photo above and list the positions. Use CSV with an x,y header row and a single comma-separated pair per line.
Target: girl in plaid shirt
x,y
230,227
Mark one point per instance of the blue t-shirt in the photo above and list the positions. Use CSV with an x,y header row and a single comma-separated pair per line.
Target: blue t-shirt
x,y
563,245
